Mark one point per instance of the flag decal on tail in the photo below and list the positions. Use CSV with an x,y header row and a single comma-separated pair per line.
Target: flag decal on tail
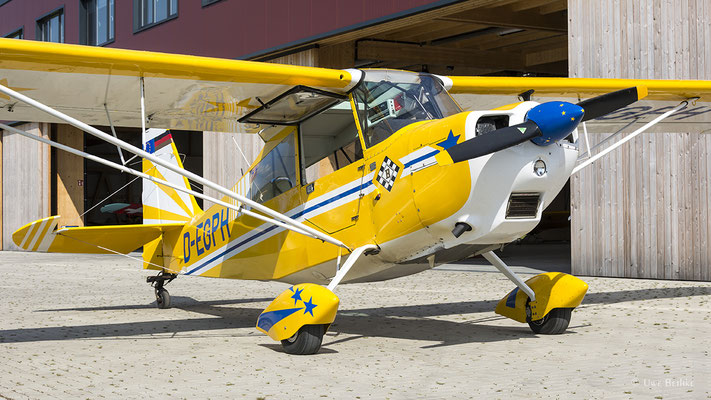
x,y
158,142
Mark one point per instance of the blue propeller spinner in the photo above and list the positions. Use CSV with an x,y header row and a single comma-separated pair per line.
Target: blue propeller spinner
x,y
545,124
556,120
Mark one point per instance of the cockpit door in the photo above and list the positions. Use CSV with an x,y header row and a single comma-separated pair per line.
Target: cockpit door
x,y
331,168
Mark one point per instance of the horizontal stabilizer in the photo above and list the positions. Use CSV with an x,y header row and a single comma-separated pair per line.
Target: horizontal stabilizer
x,y
43,235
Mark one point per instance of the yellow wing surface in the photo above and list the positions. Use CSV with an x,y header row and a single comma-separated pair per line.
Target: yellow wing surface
x,y
580,87
201,93
43,235
662,95
181,91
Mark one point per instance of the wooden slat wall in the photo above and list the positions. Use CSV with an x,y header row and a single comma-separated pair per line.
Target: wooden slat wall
x,y
643,210
26,181
70,170
222,161
2,134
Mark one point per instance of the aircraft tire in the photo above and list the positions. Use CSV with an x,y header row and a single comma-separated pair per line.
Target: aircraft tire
x,y
554,323
162,298
306,341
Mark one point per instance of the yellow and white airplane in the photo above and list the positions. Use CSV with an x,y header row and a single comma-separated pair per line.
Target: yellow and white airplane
x,y
365,175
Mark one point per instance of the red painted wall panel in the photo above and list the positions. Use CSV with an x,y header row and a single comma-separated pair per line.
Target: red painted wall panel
x,y
228,28
24,14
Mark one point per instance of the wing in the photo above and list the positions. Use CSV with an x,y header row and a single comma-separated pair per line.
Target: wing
x,y
181,92
488,92
43,235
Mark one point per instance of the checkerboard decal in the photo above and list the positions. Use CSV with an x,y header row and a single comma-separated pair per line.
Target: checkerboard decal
x,y
387,173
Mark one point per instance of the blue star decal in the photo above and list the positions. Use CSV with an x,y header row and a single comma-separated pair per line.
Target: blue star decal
x,y
297,295
450,141
309,307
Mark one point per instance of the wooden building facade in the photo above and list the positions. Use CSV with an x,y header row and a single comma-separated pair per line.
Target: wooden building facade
x,y
644,210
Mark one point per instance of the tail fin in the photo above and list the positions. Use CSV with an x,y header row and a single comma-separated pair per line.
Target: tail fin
x,y
161,204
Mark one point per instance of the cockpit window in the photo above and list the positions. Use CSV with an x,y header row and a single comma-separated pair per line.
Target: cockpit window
x,y
275,173
390,100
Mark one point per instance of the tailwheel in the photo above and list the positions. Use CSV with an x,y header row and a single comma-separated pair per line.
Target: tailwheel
x,y
554,323
306,341
158,281
162,298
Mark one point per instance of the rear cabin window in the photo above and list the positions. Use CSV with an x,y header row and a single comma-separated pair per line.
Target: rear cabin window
x,y
275,173
329,142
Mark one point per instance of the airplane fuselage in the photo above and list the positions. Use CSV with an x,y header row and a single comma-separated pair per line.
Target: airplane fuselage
x,y
419,213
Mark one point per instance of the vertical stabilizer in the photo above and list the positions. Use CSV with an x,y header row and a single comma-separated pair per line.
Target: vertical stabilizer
x,y
161,204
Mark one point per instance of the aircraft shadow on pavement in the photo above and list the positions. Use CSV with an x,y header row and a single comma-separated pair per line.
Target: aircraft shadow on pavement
x,y
405,322
414,322
623,296
183,303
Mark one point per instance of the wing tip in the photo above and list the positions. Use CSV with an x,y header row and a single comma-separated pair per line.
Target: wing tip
x,y
31,235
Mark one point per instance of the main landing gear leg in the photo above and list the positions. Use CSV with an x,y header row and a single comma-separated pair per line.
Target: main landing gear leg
x,y
308,339
158,281
504,269
301,315
553,315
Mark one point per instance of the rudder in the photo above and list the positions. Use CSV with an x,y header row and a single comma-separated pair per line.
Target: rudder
x,y
161,204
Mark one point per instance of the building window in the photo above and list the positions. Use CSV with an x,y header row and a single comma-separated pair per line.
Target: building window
x,y
51,27
147,13
208,2
18,34
97,22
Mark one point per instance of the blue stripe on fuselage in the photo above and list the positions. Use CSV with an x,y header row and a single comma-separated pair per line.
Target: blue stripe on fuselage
x,y
297,215
421,158
332,199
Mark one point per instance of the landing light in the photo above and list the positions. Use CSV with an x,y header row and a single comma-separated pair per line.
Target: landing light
x,y
539,168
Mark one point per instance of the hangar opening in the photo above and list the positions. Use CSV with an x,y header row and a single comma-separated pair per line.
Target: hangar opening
x,y
111,197
507,38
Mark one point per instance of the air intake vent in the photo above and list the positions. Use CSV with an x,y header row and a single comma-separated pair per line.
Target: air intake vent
x,y
523,205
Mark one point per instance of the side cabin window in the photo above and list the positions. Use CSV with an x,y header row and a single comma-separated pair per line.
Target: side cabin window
x,y
329,142
275,173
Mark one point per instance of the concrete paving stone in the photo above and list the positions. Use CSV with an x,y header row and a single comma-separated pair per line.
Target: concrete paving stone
x,y
85,326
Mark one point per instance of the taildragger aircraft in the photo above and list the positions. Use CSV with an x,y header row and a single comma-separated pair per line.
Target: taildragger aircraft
x,y
365,175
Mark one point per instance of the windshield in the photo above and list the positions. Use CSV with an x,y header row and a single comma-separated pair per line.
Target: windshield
x,y
390,100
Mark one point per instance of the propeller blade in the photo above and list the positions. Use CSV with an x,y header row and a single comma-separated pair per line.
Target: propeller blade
x,y
545,124
604,104
489,143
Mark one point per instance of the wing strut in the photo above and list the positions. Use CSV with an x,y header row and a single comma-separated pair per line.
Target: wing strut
x,y
143,110
285,221
350,261
113,132
629,137
504,269
139,174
